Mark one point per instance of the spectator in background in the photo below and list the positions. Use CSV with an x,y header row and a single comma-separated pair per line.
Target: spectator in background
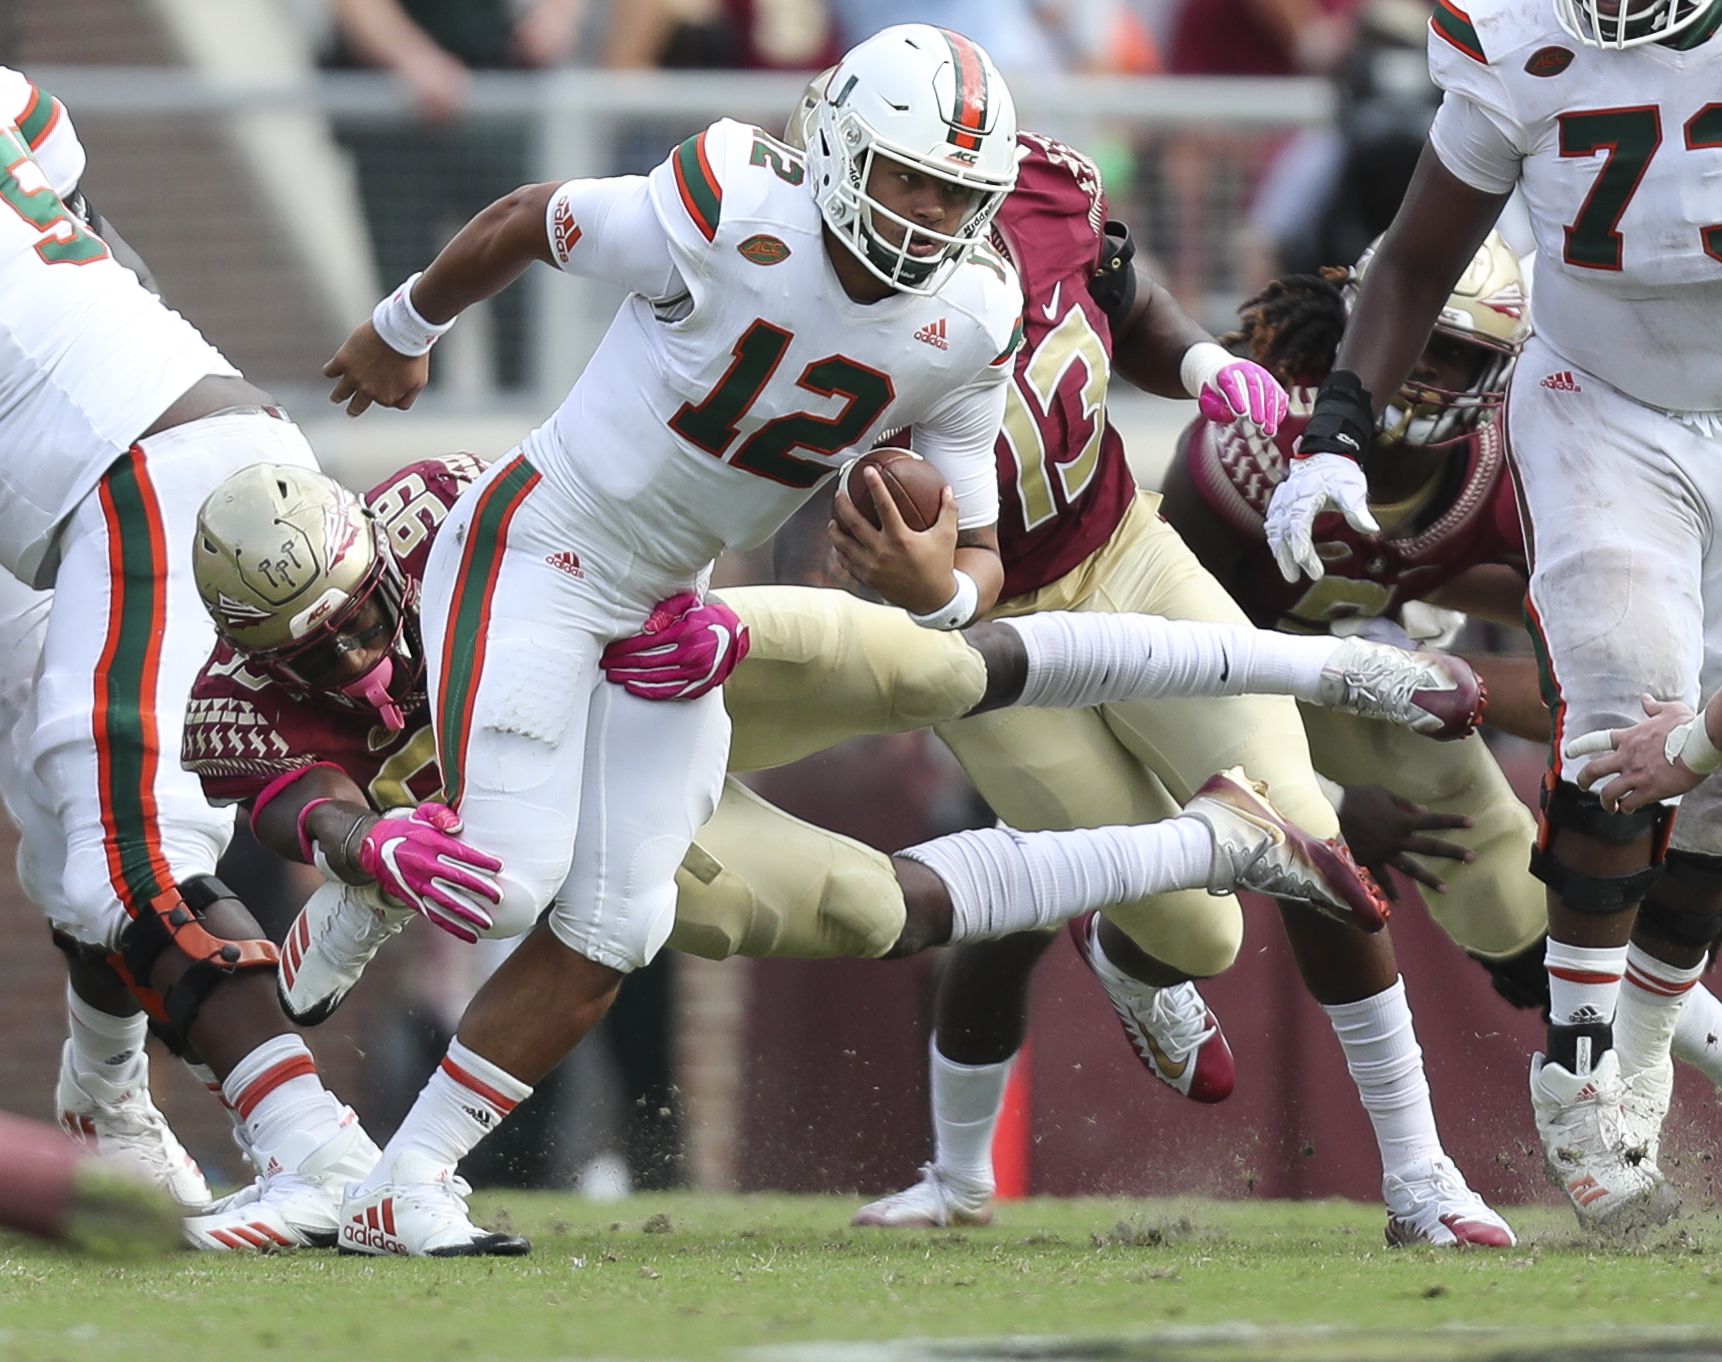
x,y
1025,37
421,181
1261,37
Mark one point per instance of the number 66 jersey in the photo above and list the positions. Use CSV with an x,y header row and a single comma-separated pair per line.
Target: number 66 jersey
x,y
1619,157
739,374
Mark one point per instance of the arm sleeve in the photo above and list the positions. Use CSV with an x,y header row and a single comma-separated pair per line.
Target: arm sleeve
x,y
608,229
957,438
1477,144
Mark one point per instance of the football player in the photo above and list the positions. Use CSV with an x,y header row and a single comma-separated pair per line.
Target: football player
x,y
1450,538
319,723
116,419
1603,114
1078,536
714,404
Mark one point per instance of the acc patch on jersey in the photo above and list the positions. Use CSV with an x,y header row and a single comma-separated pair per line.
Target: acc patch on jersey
x,y
762,249
1549,61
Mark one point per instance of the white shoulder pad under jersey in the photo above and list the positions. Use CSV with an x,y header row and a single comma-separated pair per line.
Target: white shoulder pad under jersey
x,y
1618,155
46,129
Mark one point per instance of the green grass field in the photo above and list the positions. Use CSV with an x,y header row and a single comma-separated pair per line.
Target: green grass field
x,y
779,1278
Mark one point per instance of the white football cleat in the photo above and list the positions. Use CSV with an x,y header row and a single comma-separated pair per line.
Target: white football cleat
x,y
1587,1150
1428,1202
123,1124
1644,1101
296,1203
1171,1029
1258,847
337,933
420,1213
937,1201
1431,693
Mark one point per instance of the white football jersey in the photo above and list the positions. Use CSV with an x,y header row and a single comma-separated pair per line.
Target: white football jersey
x,y
1619,158
739,375
89,358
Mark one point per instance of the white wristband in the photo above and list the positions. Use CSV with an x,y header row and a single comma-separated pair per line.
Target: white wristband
x,y
1201,365
957,611
401,327
1698,752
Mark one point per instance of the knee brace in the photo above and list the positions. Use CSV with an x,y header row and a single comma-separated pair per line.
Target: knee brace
x,y
176,926
1696,920
1565,806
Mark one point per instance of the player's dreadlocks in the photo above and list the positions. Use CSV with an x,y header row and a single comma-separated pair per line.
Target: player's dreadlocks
x,y
1292,327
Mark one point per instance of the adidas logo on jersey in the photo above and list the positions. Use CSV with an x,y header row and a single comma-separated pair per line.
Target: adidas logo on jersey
x,y
934,334
565,560
1563,382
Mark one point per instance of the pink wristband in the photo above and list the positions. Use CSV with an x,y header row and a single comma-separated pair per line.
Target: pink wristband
x,y
305,848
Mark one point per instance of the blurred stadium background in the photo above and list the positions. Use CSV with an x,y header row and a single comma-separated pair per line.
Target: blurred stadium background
x,y
270,179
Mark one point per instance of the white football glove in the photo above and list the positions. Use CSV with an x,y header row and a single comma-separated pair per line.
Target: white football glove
x,y
1311,487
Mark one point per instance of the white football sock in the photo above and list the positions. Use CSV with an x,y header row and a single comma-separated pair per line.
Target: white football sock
x,y
1698,1033
1001,881
1584,982
1651,999
109,1047
1094,658
206,1076
275,1092
1386,1063
966,1103
466,1098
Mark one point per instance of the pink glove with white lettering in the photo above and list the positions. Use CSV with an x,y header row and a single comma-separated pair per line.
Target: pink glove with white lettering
x,y
1229,389
685,649
415,857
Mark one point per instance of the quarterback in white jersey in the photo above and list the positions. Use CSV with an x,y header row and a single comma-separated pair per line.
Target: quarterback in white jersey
x,y
784,310
1605,114
116,419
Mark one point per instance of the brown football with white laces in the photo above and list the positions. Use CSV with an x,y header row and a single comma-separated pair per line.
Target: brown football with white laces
x,y
914,484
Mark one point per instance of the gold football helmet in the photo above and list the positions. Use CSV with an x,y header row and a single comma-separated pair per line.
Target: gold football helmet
x,y
1461,378
297,575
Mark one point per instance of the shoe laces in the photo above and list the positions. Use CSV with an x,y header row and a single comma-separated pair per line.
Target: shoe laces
x,y
1386,682
1179,1019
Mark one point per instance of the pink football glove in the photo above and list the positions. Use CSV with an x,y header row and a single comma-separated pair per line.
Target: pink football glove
x,y
685,649
417,858
1244,389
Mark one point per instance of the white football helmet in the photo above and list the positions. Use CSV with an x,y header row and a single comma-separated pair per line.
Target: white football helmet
x,y
1617,24
932,100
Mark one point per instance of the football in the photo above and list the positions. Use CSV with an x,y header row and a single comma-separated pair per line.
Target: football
x,y
915,485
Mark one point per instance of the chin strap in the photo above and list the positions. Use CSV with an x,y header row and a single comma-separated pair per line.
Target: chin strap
x,y
373,689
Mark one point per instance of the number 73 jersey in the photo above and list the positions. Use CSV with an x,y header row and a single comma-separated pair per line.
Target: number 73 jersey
x,y
1619,158
739,374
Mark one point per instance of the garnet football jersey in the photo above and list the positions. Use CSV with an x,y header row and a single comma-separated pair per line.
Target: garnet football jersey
x,y
243,728
1475,521
1064,484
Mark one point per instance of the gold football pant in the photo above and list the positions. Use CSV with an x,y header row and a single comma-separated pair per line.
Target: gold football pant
x,y
1493,907
825,667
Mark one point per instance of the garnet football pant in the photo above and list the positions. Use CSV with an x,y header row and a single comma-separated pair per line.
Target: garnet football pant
x,y
1621,505
589,796
109,818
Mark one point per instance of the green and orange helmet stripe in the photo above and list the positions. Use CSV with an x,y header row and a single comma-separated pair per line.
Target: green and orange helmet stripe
x,y
701,193
968,116
465,642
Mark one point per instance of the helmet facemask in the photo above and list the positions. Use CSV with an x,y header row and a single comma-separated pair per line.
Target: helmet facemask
x,y
1614,25
913,263
373,621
